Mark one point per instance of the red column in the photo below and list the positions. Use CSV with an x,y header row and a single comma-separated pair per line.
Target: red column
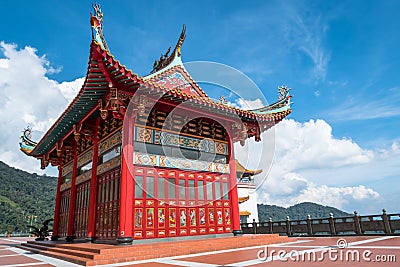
x,y
125,235
54,236
93,187
71,212
234,198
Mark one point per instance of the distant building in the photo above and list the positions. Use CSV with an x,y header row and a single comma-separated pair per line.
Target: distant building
x,y
143,157
247,193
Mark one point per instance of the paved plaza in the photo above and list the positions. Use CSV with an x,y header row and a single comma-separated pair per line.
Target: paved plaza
x,y
305,251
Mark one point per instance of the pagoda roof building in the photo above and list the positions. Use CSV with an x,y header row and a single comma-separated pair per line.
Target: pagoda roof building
x,y
147,156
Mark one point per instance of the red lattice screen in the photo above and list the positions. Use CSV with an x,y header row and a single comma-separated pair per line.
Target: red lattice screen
x,y
107,216
64,209
81,210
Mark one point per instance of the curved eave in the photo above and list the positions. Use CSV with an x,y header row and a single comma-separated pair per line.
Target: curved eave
x,y
102,68
243,199
211,105
247,173
280,104
244,213
244,172
83,103
26,150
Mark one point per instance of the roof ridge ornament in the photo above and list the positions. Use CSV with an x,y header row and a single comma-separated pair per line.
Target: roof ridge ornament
x,y
282,103
166,59
26,144
283,91
181,39
96,22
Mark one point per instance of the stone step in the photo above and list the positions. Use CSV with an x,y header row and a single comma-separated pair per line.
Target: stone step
x,y
62,250
92,254
88,247
66,257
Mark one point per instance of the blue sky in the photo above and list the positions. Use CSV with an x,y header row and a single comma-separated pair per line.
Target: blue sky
x,y
340,57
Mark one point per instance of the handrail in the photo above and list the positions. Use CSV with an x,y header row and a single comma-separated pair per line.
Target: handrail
x,y
377,224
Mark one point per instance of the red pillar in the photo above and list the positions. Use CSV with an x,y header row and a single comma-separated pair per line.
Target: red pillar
x,y
233,191
125,235
71,212
93,187
54,236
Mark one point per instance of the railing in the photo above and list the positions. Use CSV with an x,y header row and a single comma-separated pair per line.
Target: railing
x,y
384,224
14,234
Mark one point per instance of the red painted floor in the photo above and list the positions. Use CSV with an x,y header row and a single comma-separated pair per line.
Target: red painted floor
x,y
8,257
306,251
321,251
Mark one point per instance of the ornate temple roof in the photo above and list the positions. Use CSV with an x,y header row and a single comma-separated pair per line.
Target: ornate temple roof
x,y
244,172
243,199
168,77
101,66
245,213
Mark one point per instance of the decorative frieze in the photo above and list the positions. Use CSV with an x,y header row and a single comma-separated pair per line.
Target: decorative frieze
x,y
109,165
158,137
65,186
83,177
110,142
67,168
178,163
181,124
85,158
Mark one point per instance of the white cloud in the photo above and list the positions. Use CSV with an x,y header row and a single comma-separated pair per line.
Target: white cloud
x,y
307,34
249,104
336,196
310,164
28,97
71,89
311,145
3,63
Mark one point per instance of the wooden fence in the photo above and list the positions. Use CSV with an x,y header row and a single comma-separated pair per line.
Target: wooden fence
x,y
383,224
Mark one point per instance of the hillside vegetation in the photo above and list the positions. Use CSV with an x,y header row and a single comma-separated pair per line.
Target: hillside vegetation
x,y
297,212
23,195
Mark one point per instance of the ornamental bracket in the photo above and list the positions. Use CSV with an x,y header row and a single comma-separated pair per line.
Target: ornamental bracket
x,y
115,103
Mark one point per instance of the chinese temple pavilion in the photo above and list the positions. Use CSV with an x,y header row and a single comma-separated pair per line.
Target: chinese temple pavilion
x,y
143,157
247,193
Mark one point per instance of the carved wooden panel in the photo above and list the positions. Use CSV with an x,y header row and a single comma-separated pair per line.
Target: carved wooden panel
x,y
81,210
65,198
107,216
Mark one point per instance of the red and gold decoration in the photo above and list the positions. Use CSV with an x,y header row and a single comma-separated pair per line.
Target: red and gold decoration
x,y
116,180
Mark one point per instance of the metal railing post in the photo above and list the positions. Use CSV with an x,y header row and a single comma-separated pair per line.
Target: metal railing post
x,y
309,225
357,223
332,224
288,226
270,226
254,226
386,224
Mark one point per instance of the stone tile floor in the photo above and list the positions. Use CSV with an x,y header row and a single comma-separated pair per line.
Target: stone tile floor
x,y
306,251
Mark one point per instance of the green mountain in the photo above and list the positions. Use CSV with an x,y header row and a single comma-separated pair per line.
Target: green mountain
x,y
297,212
24,198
